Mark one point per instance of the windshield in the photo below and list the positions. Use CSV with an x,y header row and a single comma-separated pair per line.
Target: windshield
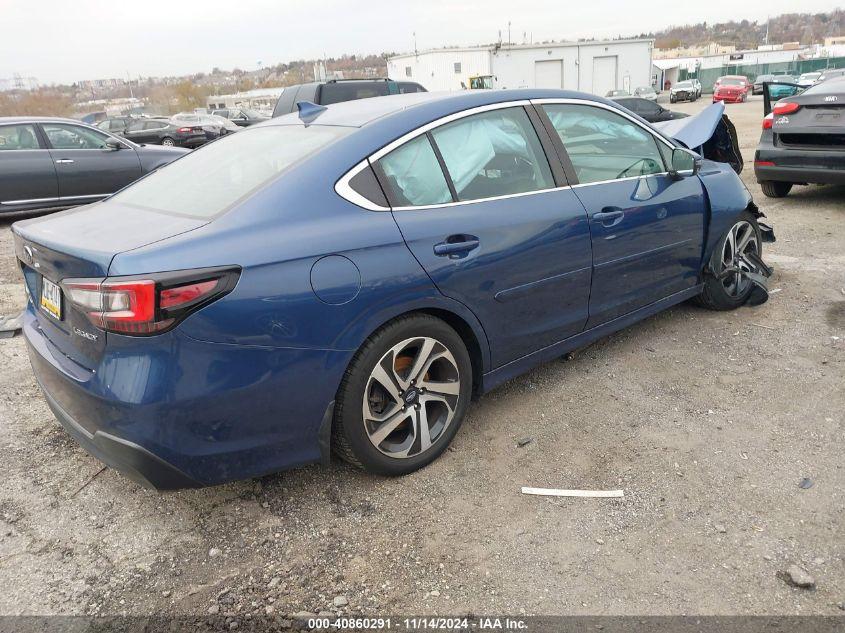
x,y
684,84
209,180
732,82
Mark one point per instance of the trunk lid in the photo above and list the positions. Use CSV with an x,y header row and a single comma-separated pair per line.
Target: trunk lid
x,y
81,243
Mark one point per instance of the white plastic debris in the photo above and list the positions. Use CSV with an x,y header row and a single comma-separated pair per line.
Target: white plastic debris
x,y
556,492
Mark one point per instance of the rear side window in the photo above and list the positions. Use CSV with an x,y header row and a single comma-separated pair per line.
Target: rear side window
x,y
209,180
493,154
414,175
285,103
14,137
603,145
351,90
406,87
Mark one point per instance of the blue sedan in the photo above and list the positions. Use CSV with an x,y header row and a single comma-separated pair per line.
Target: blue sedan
x,y
348,278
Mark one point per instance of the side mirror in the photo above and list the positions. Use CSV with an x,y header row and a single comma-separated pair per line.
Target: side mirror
x,y
112,144
684,163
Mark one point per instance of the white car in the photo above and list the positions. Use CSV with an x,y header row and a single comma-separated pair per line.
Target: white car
x,y
808,79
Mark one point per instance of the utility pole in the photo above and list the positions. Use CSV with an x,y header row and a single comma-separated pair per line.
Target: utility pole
x,y
509,32
415,43
767,30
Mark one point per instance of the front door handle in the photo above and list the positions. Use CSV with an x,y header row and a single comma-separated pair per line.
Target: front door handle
x,y
62,161
609,216
456,245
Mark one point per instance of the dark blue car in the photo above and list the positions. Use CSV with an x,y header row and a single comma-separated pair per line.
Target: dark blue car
x,y
348,278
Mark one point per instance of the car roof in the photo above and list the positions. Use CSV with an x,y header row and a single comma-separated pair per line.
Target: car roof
x,y
39,119
364,111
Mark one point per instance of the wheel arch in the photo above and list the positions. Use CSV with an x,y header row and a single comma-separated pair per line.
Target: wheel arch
x,y
727,198
456,316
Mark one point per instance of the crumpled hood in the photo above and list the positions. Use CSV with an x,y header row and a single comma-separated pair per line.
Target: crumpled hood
x,y
694,131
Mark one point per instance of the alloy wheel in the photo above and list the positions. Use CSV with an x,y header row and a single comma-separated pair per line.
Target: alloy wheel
x,y
741,240
411,397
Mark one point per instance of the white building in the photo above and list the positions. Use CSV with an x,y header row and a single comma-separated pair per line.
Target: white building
x,y
595,67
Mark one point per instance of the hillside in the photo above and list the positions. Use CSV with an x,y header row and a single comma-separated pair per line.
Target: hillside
x,y
807,28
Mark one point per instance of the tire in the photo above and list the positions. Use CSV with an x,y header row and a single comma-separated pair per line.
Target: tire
x,y
378,427
731,292
168,142
775,189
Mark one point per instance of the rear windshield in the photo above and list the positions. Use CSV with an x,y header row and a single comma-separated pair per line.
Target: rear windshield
x,y
352,91
209,180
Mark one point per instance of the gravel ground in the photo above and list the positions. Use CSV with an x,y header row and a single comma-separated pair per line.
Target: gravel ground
x,y
708,421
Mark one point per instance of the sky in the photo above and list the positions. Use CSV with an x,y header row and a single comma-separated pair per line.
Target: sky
x,y
62,41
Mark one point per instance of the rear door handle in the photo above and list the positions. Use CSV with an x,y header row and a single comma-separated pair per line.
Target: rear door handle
x,y
609,216
456,245
61,161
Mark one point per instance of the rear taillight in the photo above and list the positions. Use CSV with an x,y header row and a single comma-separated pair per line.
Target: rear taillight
x,y
767,121
149,304
786,107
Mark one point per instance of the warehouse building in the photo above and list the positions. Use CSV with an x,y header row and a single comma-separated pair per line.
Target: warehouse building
x,y
595,67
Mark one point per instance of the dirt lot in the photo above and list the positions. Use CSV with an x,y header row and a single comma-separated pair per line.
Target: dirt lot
x,y
708,421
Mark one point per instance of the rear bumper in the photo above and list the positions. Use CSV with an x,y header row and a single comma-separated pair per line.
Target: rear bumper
x,y
134,461
799,166
194,141
813,175
728,99
173,412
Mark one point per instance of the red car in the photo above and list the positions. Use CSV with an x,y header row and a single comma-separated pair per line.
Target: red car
x,y
731,88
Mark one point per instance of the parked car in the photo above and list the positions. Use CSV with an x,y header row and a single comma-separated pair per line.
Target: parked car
x,y
617,93
340,90
697,85
649,110
646,92
242,117
830,73
745,81
50,163
731,90
117,125
353,283
802,139
808,79
757,86
682,91
159,131
214,126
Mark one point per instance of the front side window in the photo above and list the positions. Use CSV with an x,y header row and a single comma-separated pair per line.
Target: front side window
x,y
63,136
414,175
493,154
14,137
208,181
603,145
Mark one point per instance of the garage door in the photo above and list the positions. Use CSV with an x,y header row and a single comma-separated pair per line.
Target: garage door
x,y
604,75
548,73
